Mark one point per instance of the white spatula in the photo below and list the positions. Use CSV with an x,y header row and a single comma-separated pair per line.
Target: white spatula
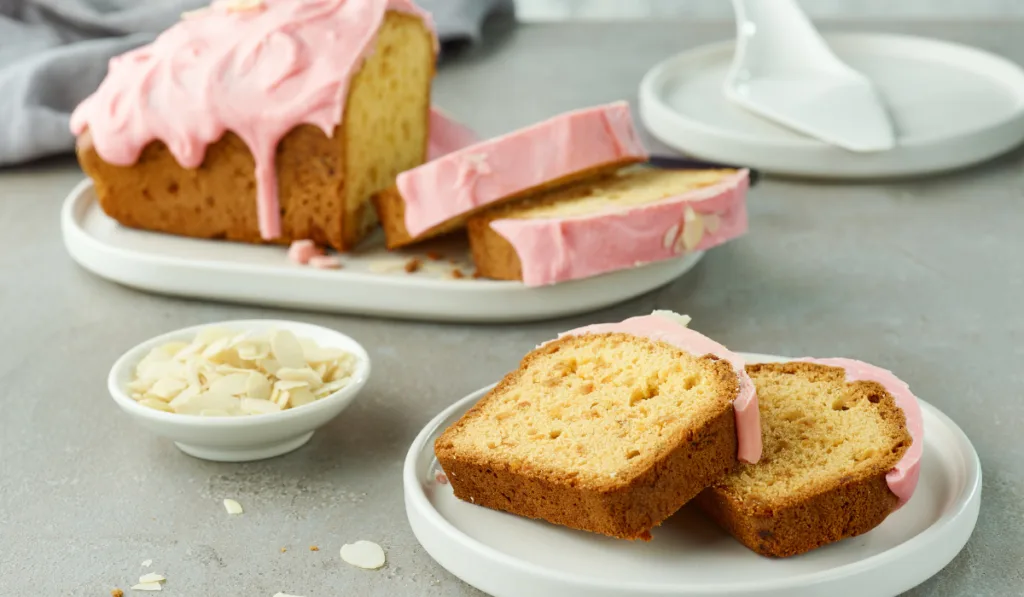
x,y
784,71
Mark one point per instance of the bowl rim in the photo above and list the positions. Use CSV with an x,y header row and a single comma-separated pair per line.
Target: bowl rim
x,y
131,357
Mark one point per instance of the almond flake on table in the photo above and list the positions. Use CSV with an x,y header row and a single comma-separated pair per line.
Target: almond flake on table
x,y
363,554
285,595
151,577
148,586
147,563
232,506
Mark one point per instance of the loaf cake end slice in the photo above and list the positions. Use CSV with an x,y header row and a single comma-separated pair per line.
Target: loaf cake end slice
x,y
606,432
832,451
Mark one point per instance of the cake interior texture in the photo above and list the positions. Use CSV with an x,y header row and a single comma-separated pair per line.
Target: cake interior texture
x,y
828,447
324,184
816,429
387,116
606,432
602,409
629,187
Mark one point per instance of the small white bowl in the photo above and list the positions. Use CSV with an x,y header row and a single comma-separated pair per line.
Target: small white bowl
x,y
248,437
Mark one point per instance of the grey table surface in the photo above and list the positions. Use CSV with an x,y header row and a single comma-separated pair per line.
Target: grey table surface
x,y
922,276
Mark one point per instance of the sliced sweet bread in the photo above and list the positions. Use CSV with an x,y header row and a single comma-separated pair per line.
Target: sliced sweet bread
x,y
438,196
839,457
635,216
603,431
304,111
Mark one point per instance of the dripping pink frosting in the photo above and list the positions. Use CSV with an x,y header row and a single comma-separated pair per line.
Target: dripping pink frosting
x,y
258,73
665,329
902,479
557,249
480,174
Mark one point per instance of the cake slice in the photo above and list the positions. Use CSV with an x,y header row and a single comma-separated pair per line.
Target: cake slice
x,y
609,429
438,196
842,450
635,216
262,121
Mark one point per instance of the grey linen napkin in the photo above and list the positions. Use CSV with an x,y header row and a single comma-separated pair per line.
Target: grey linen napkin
x,y
54,53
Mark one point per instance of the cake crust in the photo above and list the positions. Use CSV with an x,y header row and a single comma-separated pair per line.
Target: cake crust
x,y
837,507
627,506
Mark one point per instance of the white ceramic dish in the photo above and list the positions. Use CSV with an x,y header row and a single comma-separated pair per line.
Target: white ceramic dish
x,y
263,275
510,556
952,106
242,438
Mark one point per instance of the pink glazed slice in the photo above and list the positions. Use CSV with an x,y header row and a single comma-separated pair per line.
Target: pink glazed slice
x,y
902,479
557,249
663,328
464,180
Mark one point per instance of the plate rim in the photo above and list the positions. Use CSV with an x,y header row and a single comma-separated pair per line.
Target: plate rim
x,y
657,114
969,497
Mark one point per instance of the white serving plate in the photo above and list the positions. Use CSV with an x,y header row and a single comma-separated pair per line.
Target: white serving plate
x,y
510,556
952,106
372,281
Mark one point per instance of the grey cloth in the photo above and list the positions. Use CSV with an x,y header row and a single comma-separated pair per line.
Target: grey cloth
x,y
54,53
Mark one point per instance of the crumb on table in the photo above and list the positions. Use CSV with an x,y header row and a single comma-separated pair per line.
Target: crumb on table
x,y
116,593
477,276
413,265
314,548
434,256
457,273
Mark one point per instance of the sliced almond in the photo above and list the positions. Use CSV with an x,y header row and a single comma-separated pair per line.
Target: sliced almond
x,y
254,406
232,506
148,586
151,577
363,554
670,236
167,387
286,349
258,386
301,396
156,404
232,384
304,374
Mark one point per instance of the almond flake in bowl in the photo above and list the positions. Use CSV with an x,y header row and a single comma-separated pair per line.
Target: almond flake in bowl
x,y
222,372
240,390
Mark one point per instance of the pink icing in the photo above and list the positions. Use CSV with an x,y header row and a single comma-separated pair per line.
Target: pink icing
x,y
902,479
664,329
301,251
447,134
496,168
566,248
258,73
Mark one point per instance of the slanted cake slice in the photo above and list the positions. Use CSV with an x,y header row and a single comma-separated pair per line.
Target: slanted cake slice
x,y
438,196
635,216
262,120
610,428
842,449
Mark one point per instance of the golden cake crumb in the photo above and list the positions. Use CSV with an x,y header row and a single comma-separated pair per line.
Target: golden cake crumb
x,y
413,265
116,593
457,273
314,548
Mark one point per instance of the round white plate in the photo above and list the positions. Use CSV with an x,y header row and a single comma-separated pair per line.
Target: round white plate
x,y
952,106
373,281
510,556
